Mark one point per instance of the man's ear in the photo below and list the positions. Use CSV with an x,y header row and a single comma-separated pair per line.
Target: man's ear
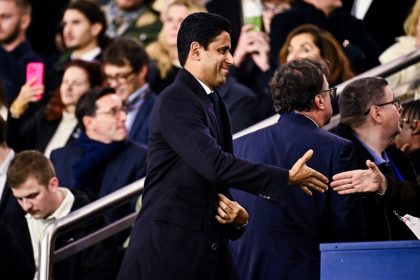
x,y
143,73
53,184
96,29
25,21
376,114
195,51
319,102
87,122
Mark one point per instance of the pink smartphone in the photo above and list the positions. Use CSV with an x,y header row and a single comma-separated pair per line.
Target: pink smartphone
x,y
35,69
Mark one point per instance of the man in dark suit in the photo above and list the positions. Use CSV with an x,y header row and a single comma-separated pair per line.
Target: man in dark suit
x,y
35,187
370,118
101,160
126,67
190,161
282,241
7,201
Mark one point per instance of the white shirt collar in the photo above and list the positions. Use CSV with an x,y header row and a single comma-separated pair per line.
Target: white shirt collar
x,y
90,55
206,88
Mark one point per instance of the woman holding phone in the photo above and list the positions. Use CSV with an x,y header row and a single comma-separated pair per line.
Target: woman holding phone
x,y
55,124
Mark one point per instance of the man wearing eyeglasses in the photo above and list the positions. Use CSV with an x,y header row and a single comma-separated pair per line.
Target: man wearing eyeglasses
x,y
282,241
370,118
126,67
101,160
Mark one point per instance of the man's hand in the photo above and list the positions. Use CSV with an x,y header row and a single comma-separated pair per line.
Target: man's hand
x,y
305,177
360,181
230,212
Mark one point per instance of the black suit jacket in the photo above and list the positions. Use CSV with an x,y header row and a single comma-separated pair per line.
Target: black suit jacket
x,y
384,15
7,201
381,222
16,255
176,235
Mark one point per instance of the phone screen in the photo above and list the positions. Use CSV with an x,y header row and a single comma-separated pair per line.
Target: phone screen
x,y
252,13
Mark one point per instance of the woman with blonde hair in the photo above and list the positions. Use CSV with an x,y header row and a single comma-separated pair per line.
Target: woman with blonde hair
x,y
163,52
404,45
311,41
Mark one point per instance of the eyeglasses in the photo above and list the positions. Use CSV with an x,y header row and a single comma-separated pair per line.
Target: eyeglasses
x,y
331,91
114,111
396,102
120,77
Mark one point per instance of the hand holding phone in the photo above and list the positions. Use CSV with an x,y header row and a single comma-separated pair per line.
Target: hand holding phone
x,y
35,75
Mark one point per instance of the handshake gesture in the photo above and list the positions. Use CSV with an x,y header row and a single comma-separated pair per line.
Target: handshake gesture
x,y
306,178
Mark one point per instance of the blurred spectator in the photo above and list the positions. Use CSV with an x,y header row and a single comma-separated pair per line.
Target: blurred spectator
x,y
350,32
84,27
164,52
125,65
383,18
54,125
101,160
409,139
7,201
15,50
272,8
32,180
404,45
309,40
370,118
241,102
135,18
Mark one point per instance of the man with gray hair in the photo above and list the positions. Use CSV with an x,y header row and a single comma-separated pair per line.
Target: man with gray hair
x,y
370,118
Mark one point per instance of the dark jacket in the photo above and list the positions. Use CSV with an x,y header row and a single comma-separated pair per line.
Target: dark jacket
x,y
381,222
282,241
100,261
190,161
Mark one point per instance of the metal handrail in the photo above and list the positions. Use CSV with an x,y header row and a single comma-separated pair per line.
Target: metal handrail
x,y
48,238
50,233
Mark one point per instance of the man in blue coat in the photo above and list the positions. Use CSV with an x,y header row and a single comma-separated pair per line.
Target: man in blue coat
x,y
190,162
101,160
282,241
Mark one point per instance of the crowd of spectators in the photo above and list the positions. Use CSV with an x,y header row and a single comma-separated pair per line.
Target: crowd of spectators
x,y
106,62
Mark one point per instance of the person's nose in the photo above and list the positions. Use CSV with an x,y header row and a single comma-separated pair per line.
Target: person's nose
x,y
26,205
229,58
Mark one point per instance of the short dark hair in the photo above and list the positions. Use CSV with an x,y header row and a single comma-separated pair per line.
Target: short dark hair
x,y
27,164
202,28
126,50
3,131
295,84
358,96
94,14
86,106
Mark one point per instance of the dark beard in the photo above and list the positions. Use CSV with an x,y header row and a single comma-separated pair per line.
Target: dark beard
x,y
12,36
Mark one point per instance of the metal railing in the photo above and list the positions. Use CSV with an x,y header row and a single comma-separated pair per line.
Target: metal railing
x,y
46,254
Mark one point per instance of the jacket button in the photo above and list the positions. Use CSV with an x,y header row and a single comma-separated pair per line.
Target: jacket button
x,y
214,246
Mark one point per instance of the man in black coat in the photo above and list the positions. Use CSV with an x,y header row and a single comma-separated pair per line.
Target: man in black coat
x,y
190,162
370,118
34,185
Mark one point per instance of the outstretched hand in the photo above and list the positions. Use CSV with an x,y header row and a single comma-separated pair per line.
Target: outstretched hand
x,y
305,177
360,181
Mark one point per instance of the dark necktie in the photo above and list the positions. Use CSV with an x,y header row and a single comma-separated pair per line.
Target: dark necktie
x,y
214,97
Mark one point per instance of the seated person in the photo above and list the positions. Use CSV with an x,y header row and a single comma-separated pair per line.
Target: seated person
x,y
32,180
101,160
